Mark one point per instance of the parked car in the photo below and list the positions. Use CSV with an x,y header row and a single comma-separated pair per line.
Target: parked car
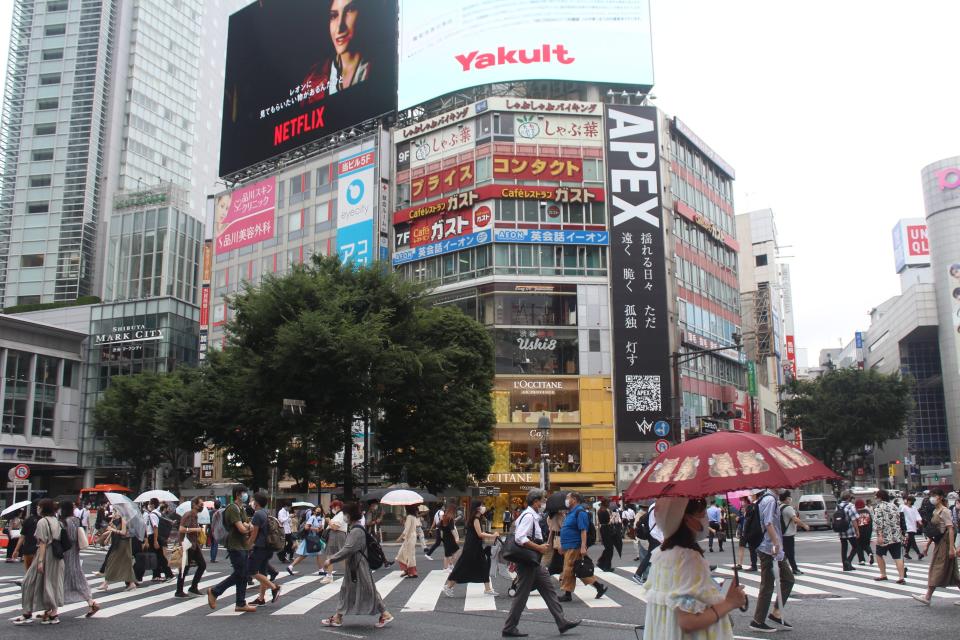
x,y
816,510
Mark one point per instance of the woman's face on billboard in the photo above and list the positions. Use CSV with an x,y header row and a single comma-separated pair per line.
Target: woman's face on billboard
x,y
343,19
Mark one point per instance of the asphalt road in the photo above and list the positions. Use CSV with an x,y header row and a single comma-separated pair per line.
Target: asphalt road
x,y
829,604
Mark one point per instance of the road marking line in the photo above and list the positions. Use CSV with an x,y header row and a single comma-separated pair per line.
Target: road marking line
x,y
109,612
846,587
286,587
476,600
797,588
626,584
870,581
388,583
427,593
303,604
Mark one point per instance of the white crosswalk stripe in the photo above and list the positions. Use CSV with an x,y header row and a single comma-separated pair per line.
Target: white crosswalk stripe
x,y
303,594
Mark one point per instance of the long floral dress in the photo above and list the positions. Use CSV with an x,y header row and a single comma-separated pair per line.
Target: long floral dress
x,y
680,581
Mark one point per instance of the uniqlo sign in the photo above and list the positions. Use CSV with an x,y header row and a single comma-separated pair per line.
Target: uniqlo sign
x,y
638,282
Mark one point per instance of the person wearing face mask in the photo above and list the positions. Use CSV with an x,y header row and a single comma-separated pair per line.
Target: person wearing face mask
x,y
336,537
683,601
407,555
238,550
474,562
768,552
943,561
573,541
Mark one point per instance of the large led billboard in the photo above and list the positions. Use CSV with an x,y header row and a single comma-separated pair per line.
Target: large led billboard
x,y
455,44
298,70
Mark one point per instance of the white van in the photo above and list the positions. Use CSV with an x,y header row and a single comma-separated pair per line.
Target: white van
x,y
816,510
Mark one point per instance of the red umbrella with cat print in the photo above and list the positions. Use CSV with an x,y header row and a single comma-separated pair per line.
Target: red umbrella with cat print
x,y
725,462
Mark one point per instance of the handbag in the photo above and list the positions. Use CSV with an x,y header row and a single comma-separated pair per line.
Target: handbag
x,y
583,568
82,540
314,543
176,557
202,536
518,554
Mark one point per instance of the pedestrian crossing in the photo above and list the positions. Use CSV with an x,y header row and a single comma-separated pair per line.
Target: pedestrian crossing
x,y
304,594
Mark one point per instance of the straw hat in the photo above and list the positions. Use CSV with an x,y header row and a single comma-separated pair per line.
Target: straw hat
x,y
669,514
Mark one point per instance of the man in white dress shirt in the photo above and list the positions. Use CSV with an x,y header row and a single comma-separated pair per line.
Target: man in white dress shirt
x,y
527,533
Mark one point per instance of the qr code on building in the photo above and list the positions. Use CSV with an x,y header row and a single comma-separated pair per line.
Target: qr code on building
x,y
643,393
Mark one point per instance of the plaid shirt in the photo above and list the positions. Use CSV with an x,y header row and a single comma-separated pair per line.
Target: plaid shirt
x,y
851,512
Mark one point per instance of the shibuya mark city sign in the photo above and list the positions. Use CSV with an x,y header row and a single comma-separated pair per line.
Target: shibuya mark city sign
x,y
641,347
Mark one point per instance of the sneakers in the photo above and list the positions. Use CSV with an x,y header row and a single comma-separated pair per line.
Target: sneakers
x,y
384,620
786,626
490,593
638,579
566,597
922,600
180,594
762,627
247,608
447,591
211,599
427,556
290,569
326,580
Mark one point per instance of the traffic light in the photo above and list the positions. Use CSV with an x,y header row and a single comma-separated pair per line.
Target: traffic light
x,y
727,413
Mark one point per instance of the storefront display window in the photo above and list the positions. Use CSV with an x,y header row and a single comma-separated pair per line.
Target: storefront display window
x,y
526,400
526,447
529,309
536,351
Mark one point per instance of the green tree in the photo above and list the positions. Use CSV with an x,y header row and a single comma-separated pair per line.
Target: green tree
x,y
344,340
844,410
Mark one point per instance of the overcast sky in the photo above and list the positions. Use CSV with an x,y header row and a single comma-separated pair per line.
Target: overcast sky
x,y
827,110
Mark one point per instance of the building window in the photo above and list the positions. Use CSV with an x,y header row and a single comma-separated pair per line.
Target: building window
x,y
28,300
761,260
57,5
55,30
71,378
52,54
525,400
47,104
536,351
300,188
47,79
16,391
34,260
45,396
45,129
296,221
518,450
39,155
38,207
40,181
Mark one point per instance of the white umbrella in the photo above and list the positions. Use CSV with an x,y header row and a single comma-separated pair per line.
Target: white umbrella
x,y
16,506
159,494
183,507
203,517
303,504
401,497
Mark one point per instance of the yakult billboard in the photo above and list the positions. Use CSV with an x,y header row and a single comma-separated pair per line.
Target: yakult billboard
x,y
451,45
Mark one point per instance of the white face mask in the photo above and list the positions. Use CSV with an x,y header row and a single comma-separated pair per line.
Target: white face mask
x,y
934,500
567,502
483,510
704,528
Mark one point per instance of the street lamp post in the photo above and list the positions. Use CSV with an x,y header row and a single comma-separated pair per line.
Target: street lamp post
x,y
678,358
543,425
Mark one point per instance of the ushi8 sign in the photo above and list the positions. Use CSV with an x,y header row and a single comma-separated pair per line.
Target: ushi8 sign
x,y
641,342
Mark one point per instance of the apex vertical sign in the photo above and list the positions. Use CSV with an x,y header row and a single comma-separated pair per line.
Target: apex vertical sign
x,y
641,345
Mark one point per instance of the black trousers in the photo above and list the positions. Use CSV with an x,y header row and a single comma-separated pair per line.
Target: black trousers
x,y
863,544
286,554
437,543
193,555
911,544
848,549
789,550
605,563
163,567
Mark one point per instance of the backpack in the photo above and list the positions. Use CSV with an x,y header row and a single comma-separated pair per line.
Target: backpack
x,y
926,512
164,527
753,529
275,538
840,521
643,527
374,552
591,533
61,545
217,527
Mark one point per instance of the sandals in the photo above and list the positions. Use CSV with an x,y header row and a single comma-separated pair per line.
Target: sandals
x,y
274,594
93,609
259,602
23,619
880,579
384,620
334,621
50,619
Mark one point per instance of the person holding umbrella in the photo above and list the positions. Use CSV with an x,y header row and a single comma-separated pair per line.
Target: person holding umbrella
x,y
682,598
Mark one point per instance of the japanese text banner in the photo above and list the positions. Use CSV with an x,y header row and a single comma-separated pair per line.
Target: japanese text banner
x,y
245,216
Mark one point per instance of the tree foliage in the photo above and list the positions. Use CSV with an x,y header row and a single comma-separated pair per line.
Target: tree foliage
x,y
844,410
353,342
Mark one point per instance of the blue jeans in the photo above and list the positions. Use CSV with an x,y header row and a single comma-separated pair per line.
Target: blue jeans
x,y
213,548
238,561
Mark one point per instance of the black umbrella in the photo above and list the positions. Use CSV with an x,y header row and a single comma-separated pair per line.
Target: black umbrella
x,y
557,502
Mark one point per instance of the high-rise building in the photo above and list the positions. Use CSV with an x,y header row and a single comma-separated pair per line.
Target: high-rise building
x,y
764,294
110,114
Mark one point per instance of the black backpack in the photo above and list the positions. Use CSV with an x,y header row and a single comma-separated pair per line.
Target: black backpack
x,y
374,552
61,545
643,526
591,532
752,527
840,522
164,528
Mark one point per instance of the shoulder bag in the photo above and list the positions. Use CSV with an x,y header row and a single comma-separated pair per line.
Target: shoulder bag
x,y
517,553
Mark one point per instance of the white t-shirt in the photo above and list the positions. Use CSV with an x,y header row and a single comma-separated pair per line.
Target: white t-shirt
x,y
655,531
911,516
151,519
283,516
629,514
